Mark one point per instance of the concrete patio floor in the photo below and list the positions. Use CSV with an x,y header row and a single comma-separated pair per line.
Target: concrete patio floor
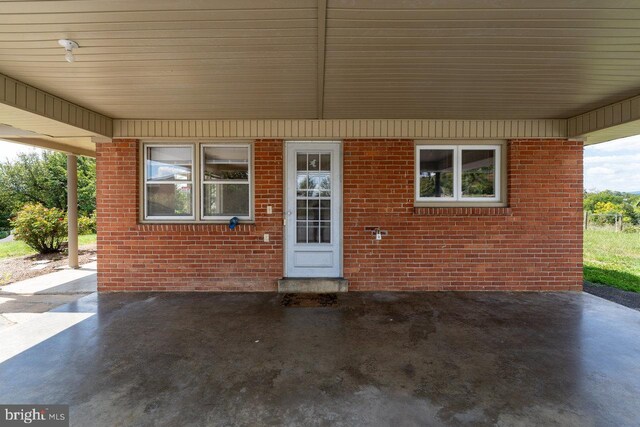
x,y
373,359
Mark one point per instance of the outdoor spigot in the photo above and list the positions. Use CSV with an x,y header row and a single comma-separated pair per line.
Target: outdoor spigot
x,y
378,233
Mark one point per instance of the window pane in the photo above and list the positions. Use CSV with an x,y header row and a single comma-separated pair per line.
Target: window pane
x,y
325,233
313,229
169,163
478,173
301,209
169,200
301,232
226,163
226,200
314,162
325,162
436,173
301,162
227,154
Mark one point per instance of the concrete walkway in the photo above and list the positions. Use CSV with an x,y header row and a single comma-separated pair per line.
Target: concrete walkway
x,y
371,359
28,301
43,293
64,281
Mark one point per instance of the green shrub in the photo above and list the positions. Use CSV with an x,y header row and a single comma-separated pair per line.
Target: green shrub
x,y
631,229
41,228
87,224
4,233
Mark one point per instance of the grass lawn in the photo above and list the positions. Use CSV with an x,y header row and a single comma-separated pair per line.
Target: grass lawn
x,y
612,259
16,248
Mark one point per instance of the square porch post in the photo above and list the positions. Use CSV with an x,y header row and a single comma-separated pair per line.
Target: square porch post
x,y
72,209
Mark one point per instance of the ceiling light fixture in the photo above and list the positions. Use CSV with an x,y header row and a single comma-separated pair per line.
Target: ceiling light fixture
x,y
68,46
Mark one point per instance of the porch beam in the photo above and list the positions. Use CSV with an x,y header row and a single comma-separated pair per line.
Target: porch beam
x,y
340,129
51,110
612,121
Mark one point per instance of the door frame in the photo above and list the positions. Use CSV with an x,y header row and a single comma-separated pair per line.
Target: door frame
x,y
285,196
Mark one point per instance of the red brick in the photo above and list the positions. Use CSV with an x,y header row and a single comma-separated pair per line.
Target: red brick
x,y
533,244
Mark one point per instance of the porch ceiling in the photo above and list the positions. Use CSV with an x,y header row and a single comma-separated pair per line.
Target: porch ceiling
x,y
196,59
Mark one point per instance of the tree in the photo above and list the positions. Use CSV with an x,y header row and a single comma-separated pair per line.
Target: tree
x,y
591,199
8,207
42,178
607,204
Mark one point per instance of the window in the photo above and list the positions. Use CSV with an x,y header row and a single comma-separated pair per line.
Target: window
x,y
169,182
458,173
226,188
212,180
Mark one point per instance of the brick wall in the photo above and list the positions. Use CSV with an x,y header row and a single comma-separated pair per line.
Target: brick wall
x,y
535,244
184,257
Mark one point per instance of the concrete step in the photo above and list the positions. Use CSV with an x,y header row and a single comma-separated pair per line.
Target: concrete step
x,y
320,285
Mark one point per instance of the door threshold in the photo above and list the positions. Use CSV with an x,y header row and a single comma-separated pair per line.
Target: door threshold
x,y
312,285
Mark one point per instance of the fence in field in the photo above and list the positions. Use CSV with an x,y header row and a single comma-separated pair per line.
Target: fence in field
x,y
608,221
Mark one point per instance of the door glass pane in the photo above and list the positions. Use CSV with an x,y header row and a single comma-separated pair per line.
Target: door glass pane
x,y
302,184
325,214
301,161
325,162
170,200
325,233
478,173
314,162
313,229
313,210
301,232
301,210
313,194
314,185
436,173
169,163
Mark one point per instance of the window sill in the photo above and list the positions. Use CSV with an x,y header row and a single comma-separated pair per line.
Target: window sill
x,y
194,222
462,211
219,226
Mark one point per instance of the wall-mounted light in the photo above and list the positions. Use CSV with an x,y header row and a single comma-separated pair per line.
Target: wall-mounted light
x,y
68,46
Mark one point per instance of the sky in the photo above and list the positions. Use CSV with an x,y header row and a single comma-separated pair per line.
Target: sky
x,y
613,165
9,151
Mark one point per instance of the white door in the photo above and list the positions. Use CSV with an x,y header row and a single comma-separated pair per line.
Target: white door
x,y
313,209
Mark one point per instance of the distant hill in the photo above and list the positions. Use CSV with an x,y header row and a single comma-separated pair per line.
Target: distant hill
x,y
633,192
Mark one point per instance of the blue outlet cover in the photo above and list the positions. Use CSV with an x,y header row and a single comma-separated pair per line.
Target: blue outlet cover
x,y
233,222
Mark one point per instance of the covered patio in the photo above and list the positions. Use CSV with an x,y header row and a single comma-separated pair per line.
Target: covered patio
x,y
384,146
448,358
500,96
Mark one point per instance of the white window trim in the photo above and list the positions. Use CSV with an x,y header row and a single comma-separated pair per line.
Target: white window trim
x,y
196,183
249,181
457,173
146,182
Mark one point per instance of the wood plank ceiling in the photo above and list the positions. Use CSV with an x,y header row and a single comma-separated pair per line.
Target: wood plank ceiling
x,y
198,59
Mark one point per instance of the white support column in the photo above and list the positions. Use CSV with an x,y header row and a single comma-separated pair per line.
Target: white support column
x,y
72,208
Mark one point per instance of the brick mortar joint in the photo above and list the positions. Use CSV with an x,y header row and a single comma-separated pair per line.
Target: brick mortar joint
x,y
463,211
193,227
